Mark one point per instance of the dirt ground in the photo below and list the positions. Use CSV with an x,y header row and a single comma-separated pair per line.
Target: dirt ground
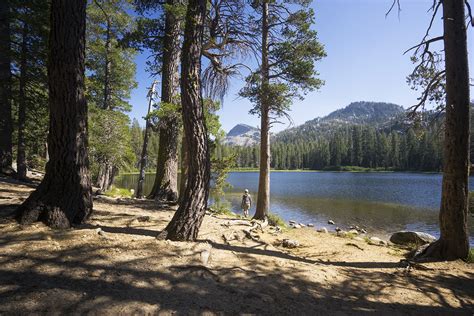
x,y
115,265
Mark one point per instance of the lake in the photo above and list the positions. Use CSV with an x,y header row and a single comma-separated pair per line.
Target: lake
x,y
380,202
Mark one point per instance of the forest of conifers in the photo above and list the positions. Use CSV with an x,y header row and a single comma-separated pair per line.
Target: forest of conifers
x,y
66,84
360,146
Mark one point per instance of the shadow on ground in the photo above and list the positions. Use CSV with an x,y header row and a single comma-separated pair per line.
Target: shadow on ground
x,y
82,279
77,271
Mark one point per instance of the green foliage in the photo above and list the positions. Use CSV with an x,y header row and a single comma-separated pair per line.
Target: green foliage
x,y
220,168
470,256
118,192
293,50
164,109
221,207
110,139
351,169
276,220
213,125
357,148
30,23
110,71
109,21
471,202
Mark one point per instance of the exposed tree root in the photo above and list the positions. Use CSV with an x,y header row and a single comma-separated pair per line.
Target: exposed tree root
x,y
408,264
354,245
436,251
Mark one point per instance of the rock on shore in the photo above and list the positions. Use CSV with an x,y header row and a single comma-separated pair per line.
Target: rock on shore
x,y
408,237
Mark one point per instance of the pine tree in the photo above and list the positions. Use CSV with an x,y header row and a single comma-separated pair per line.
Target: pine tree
x,y
187,220
289,50
110,79
6,124
64,195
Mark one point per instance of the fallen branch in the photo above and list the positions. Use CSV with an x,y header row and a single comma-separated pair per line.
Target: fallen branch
x,y
354,245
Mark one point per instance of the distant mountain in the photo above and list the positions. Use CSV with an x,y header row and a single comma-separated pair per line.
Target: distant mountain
x,y
366,113
377,114
242,135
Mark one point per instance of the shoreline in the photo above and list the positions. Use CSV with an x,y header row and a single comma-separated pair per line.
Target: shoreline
x,y
114,264
245,170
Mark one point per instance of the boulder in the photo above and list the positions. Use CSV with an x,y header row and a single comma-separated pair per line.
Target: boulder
x,y
302,225
353,232
341,233
292,222
330,222
288,243
323,230
376,241
310,225
407,237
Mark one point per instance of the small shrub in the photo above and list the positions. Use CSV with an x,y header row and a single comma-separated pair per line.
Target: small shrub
x,y
221,209
471,202
351,235
275,220
118,192
470,256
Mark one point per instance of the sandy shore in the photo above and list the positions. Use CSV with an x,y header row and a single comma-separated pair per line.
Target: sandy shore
x,y
115,265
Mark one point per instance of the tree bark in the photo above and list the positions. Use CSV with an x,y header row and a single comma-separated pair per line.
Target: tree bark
x,y
6,125
187,220
106,176
64,197
454,242
263,198
21,152
184,168
144,155
165,186
108,67
166,180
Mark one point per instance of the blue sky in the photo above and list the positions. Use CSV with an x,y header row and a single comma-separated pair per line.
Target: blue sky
x,y
364,62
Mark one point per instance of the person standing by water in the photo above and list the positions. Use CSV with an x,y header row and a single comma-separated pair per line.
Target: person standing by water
x,y
246,203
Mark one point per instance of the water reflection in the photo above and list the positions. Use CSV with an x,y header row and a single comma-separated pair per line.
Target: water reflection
x,y
381,202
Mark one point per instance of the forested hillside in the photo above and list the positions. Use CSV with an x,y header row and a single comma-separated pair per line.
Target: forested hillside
x,y
363,134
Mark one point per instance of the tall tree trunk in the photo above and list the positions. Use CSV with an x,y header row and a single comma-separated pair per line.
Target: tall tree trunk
x,y
6,125
454,242
144,155
187,220
184,168
64,197
103,179
21,152
165,186
166,180
263,198
106,176
107,66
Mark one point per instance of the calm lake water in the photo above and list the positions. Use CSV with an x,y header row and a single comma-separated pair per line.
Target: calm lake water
x,y
381,202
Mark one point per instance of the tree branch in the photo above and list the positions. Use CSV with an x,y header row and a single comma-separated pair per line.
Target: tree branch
x,y
469,12
427,43
435,80
395,2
